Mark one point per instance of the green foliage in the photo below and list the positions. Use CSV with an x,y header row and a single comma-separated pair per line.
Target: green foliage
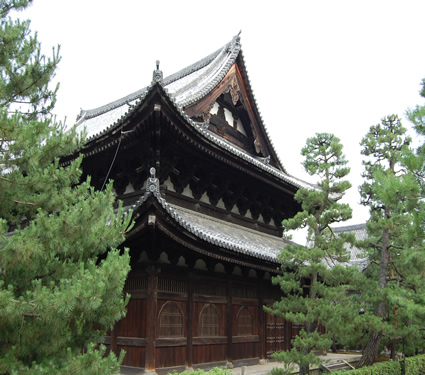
x,y
414,366
287,369
382,368
314,278
61,276
213,371
391,290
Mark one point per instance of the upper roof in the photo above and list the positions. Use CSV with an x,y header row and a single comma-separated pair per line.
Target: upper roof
x,y
184,88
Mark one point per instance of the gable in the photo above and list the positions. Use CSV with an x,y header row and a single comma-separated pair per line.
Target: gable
x,y
231,113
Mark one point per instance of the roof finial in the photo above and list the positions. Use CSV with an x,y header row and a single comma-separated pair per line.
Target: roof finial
x,y
157,74
235,43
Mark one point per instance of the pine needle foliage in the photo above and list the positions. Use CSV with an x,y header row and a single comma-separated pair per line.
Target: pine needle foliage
x,y
61,276
394,278
314,277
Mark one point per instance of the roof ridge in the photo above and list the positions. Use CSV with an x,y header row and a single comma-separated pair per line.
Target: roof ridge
x,y
90,113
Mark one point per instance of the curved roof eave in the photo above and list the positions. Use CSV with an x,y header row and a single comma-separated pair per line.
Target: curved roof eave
x,y
104,119
228,236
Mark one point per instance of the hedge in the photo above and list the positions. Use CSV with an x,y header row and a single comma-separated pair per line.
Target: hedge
x,y
414,366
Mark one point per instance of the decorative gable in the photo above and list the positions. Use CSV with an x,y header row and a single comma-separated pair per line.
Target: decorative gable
x,y
230,113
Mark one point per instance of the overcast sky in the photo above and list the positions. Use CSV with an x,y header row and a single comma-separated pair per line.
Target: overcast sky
x,y
314,66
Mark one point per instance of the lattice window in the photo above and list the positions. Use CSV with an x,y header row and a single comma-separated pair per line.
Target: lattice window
x,y
136,283
171,321
209,321
172,286
245,322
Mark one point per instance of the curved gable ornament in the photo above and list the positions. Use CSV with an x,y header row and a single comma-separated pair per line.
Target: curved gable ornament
x,y
234,90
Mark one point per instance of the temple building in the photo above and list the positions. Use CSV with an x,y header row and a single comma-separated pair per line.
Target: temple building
x,y
190,156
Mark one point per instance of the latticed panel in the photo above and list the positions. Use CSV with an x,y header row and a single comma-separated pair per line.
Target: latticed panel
x,y
210,290
136,283
245,322
275,334
171,321
171,286
280,334
244,293
270,334
210,322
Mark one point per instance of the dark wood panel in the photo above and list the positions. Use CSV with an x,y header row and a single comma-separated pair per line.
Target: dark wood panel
x,y
134,323
166,357
135,356
241,339
245,350
209,353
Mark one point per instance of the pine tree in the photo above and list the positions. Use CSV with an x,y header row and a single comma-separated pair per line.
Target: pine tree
x,y
314,277
61,278
393,286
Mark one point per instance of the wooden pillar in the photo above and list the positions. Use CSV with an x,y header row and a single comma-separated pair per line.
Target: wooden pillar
x,y
261,324
189,323
151,322
229,316
114,345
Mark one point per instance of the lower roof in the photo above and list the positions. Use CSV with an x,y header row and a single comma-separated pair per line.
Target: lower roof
x,y
229,236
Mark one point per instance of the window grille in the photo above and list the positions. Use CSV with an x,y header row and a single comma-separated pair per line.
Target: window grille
x,y
171,321
244,322
210,322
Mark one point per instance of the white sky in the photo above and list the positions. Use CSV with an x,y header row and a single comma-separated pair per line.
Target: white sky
x,y
314,66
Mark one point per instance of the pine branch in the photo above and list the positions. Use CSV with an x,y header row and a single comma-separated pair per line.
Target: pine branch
x,y
25,203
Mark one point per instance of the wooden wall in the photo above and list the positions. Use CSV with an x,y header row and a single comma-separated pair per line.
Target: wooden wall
x,y
198,319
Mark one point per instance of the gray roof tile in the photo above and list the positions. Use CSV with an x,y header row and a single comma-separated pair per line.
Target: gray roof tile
x,y
184,87
218,232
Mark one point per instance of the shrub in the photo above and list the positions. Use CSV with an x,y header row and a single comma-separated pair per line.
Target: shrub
x,y
213,371
414,366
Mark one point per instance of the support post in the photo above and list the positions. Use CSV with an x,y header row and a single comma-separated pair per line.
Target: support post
x,y
229,313
261,323
152,321
189,349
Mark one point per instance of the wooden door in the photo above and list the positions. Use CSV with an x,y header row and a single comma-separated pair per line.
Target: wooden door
x,y
275,334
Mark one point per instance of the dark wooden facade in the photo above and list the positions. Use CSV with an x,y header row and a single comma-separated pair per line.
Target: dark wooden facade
x,y
199,320
208,194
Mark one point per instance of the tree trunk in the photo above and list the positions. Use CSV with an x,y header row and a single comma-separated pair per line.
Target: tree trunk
x,y
372,347
304,370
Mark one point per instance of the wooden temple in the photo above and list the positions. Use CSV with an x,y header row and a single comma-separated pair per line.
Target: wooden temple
x,y
191,157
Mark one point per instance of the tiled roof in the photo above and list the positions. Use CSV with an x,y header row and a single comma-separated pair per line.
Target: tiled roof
x,y
184,88
223,234
357,255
